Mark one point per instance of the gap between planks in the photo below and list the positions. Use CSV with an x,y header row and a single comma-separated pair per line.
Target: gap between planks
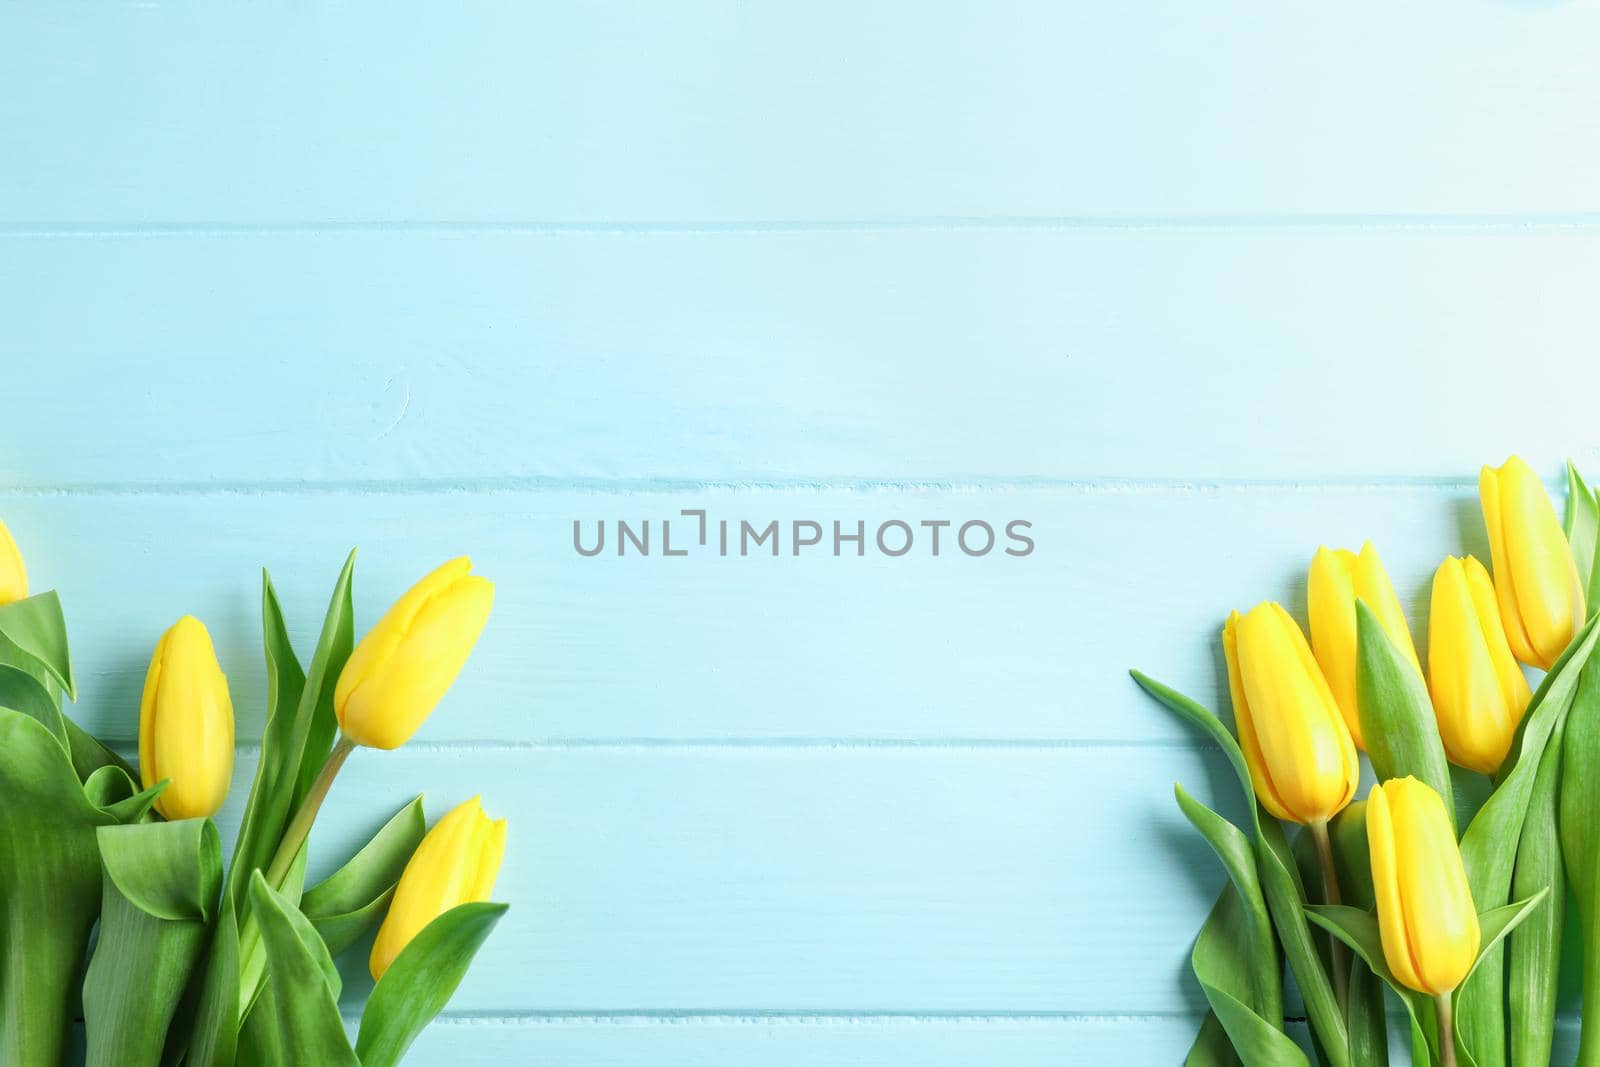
x,y
1373,222
530,484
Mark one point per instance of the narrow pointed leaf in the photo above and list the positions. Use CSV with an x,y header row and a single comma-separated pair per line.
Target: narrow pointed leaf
x,y
1582,527
421,980
1495,924
266,812
348,902
1396,714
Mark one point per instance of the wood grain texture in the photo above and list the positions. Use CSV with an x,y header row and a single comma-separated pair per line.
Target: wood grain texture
x,y
709,648
711,110
689,1042
616,359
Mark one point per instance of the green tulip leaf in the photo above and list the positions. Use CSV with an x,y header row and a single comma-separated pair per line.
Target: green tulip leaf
x,y
1369,1027
214,1037
1212,1046
299,1006
112,790
348,902
21,691
1535,951
1369,1034
1198,715
1489,846
421,980
1583,533
1397,719
266,813
1258,1042
1243,968
169,869
1579,807
295,745
1496,924
160,889
1359,930
50,883
89,755
252,952
1280,880
33,635
327,662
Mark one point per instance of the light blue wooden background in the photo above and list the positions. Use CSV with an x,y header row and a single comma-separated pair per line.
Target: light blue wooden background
x,y
1193,287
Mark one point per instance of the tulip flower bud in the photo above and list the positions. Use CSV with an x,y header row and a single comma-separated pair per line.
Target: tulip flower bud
x,y
1479,693
13,575
1338,578
186,724
1426,917
456,863
402,668
1301,757
1535,577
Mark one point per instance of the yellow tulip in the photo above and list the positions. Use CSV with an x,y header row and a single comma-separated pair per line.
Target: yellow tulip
x,y
13,574
1302,759
1479,693
186,723
1337,579
399,672
1535,578
1425,911
455,864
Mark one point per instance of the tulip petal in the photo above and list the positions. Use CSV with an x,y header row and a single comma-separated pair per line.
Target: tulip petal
x,y
1300,731
186,723
1440,921
456,863
13,572
1260,773
399,672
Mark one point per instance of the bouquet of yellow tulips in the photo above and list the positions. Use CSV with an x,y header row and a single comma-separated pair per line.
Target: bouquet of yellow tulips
x,y
1447,888
114,899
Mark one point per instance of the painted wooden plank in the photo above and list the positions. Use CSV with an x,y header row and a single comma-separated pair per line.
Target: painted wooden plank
x,y
708,647
714,111
675,1042
794,357
740,881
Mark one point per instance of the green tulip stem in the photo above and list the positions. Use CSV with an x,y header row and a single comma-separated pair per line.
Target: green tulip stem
x,y
1447,1030
1340,956
295,836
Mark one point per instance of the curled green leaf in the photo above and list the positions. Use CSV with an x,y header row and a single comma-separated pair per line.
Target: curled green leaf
x,y
160,890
